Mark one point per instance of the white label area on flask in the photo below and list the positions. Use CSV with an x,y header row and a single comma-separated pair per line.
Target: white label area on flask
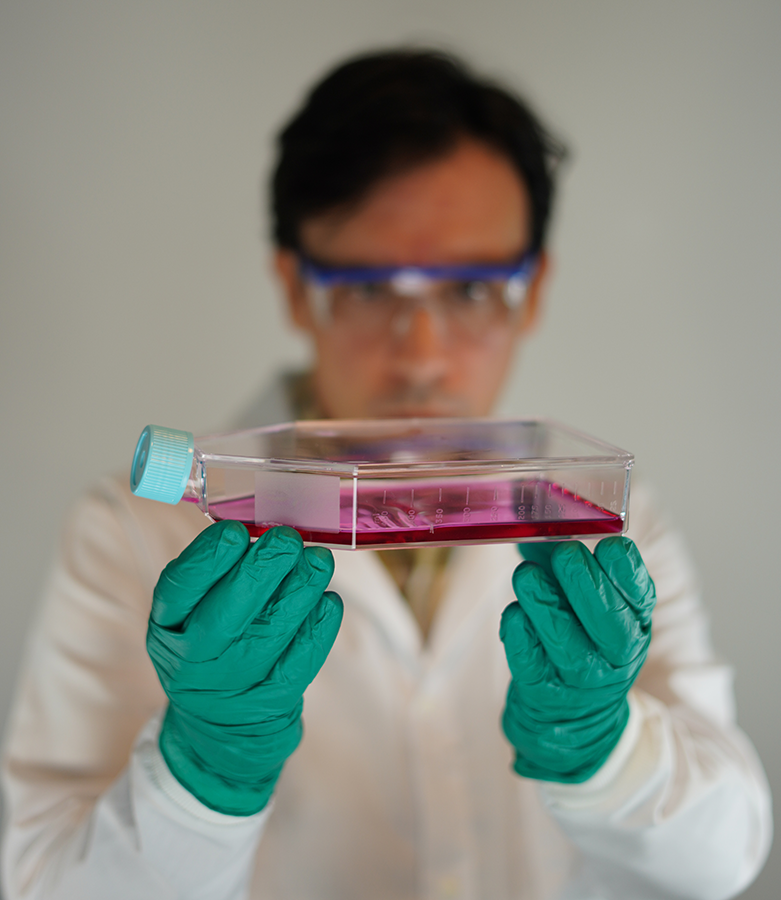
x,y
297,499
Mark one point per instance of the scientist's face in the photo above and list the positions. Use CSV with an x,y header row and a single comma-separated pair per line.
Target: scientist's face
x,y
468,207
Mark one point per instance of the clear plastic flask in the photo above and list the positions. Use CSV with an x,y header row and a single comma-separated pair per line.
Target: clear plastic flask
x,y
395,482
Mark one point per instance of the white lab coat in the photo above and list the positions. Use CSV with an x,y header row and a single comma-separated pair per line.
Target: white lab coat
x,y
402,786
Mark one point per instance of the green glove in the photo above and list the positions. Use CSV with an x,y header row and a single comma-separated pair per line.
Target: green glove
x,y
575,642
236,636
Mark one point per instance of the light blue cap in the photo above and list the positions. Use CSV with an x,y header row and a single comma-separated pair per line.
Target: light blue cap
x,y
162,464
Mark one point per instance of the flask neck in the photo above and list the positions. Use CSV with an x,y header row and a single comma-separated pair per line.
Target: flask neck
x,y
195,489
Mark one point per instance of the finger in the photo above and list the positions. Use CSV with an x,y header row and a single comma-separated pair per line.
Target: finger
x,y
304,656
262,703
556,625
622,563
603,612
189,577
539,552
230,606
251,656
299,592
273,629
525,654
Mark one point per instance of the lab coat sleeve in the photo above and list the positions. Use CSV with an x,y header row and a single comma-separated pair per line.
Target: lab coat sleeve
x,y
682,805
92,810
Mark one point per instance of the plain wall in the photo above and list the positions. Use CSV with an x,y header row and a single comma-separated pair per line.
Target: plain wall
x,y
134,287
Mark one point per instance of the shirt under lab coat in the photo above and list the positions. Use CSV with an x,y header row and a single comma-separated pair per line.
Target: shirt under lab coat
x,y
402,786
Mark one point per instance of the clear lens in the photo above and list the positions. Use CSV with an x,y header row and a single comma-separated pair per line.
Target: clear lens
x,y
469,309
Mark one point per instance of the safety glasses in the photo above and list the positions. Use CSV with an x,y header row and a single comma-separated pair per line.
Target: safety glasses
x,y
468,300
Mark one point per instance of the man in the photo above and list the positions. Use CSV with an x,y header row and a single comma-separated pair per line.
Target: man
x,y
156,746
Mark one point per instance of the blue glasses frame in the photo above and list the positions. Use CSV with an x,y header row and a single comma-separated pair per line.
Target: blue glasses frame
x,y
327,276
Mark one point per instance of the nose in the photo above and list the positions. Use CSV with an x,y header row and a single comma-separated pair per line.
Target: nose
x,y
421,345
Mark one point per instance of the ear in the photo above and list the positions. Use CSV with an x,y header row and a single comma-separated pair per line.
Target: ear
x,y
535,293
286,268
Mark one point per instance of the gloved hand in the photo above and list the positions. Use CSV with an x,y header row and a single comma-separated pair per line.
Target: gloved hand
x,y
575,642
236,636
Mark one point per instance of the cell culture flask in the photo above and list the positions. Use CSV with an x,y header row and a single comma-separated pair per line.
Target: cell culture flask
x,y
371,484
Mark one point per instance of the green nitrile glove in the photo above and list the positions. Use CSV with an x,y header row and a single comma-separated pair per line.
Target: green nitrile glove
x,y
236,636
540,552
575,642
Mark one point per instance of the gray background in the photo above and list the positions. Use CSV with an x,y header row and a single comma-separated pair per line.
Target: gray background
x,y
133,270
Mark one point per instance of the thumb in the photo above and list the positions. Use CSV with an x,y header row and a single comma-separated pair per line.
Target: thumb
x,y
189,577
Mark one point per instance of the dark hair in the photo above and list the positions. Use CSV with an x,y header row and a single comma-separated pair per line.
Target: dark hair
x,y
383,113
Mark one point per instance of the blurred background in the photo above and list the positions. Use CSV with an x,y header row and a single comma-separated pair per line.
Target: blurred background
x,y
135,140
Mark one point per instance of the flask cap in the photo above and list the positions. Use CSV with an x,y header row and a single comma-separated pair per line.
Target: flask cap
x,y
162,464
